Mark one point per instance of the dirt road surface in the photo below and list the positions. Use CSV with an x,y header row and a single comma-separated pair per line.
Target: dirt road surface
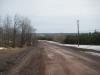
x,y
51,59
65,61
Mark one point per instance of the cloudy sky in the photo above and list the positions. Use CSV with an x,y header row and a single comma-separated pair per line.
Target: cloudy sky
x,y
56,15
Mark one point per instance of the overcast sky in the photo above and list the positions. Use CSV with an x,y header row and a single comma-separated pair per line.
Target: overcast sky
x,y
56,15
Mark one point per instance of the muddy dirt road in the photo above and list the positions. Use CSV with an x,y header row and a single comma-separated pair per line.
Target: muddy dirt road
x,y
51,59
65,61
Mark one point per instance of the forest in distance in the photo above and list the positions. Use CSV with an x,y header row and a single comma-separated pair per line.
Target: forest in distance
x,y
17,31
72,38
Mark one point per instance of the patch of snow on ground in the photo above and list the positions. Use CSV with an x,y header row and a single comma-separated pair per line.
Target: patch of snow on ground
x,y
1,48
94,47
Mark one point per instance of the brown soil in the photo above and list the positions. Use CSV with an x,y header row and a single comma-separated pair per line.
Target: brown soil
x,y
51,59
65,61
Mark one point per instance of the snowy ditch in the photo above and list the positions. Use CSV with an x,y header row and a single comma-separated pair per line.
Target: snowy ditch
x,y
2,48
93,47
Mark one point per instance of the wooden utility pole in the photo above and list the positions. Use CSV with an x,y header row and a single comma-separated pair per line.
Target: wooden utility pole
x,y
78,32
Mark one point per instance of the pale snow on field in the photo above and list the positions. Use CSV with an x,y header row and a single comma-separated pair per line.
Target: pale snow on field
x,y
94,47
1,48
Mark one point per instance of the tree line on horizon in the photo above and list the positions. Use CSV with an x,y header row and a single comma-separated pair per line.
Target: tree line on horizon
x,y
84,39
16,31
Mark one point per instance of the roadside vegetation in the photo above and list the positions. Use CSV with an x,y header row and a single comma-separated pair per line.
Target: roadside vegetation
x,y
84,38
17,40
16,31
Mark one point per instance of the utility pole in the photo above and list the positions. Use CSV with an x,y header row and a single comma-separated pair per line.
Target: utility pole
x,y
78,32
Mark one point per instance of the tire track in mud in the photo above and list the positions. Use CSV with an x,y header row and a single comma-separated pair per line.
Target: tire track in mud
x,y
62,62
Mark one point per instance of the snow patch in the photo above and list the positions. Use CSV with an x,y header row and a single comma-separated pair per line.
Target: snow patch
x,y
94,47
1,48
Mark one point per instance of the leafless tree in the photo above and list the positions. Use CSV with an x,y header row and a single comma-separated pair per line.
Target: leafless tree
x,y
25,31
7,24
16,26
1,32
16,31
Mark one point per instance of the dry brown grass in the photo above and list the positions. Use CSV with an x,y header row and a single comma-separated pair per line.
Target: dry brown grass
x,y
9,57
22,61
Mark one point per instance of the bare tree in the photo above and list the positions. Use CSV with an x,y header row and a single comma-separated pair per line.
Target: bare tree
x,y
16,32
27,32
7,24
1,32
23,27
16,26
29,35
